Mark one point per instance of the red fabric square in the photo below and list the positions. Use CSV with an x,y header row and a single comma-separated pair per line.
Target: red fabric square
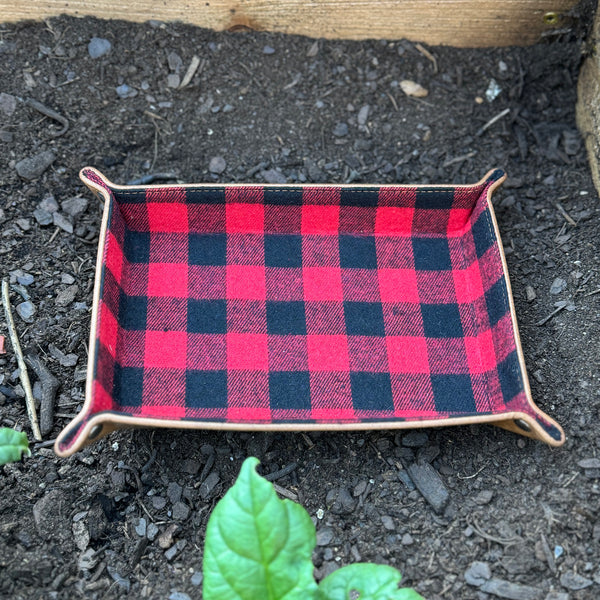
x,y
398,285
392,220
322,283
166,349
108,328
168,279
247,351
246,316
164,388
407,354
131,348
481,354
447,356
283,219
246,282
159,411
328,353
248,396
467,283
245,218
320,220
325,318
459,218
102,400
413,396
114,257
168,218
331,397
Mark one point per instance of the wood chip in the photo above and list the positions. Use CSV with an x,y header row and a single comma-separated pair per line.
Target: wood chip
x,y
412,88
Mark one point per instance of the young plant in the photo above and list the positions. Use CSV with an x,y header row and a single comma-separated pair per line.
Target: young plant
x,y
259,547
13,445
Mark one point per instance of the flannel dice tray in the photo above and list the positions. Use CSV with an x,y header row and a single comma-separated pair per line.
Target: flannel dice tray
x,y
258,307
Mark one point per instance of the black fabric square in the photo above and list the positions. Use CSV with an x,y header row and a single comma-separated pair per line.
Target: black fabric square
x,y
133,312
358,252
364,318
206,389
441,321
440,198
283,250
289,390
207,249
496,301
128,385
371,391
136,246
286,318
483,234
431,254
453,393
200,196
283,196
207,316
509,373
359,197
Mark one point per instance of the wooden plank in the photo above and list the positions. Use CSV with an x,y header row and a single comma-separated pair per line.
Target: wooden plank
x,y
588,103
463,23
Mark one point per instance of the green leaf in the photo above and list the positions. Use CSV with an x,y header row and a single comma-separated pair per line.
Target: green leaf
x,y
13,445
258,547
364,581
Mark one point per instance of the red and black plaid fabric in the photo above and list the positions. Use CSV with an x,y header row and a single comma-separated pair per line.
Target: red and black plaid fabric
x,y
254,304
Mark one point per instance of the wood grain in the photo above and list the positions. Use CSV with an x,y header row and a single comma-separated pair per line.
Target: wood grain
x,y
462,23
588,102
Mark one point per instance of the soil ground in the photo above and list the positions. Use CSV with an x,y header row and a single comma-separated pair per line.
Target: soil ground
x,y
288,108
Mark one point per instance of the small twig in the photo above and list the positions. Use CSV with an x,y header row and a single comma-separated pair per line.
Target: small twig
x,y
281,473
286,493
393,101
492,121
23,376
191,71
427,55
50,386
52,114
593,293
564,213
492,538
563,304
459,159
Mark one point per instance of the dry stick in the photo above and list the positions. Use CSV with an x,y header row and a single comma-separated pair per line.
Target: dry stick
x,y
23,376
492,121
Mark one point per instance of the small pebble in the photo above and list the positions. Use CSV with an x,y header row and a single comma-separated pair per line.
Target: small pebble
x,y
574,581
478,573
589,463
531,295
217,165
158,502
273,176
25,279
66,278
74,206
8,103
407,539
174,491
181,511
196,578
24,224
484,497
558,286
412,88
324,536
179,596
61,221
49,204
388,523
174,550
66,296
125,91
141,527
26,310
173,80
98,47
363,115
415,439
152,531
42,217
33,166
340,130
268,50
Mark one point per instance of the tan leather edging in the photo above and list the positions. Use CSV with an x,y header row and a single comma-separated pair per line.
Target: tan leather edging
x,y
111,422
510,425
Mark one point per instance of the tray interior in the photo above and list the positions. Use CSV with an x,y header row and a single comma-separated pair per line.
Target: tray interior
x,y
326,305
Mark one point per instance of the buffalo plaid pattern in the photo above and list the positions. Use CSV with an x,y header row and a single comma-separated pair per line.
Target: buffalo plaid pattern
x,y
253,304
